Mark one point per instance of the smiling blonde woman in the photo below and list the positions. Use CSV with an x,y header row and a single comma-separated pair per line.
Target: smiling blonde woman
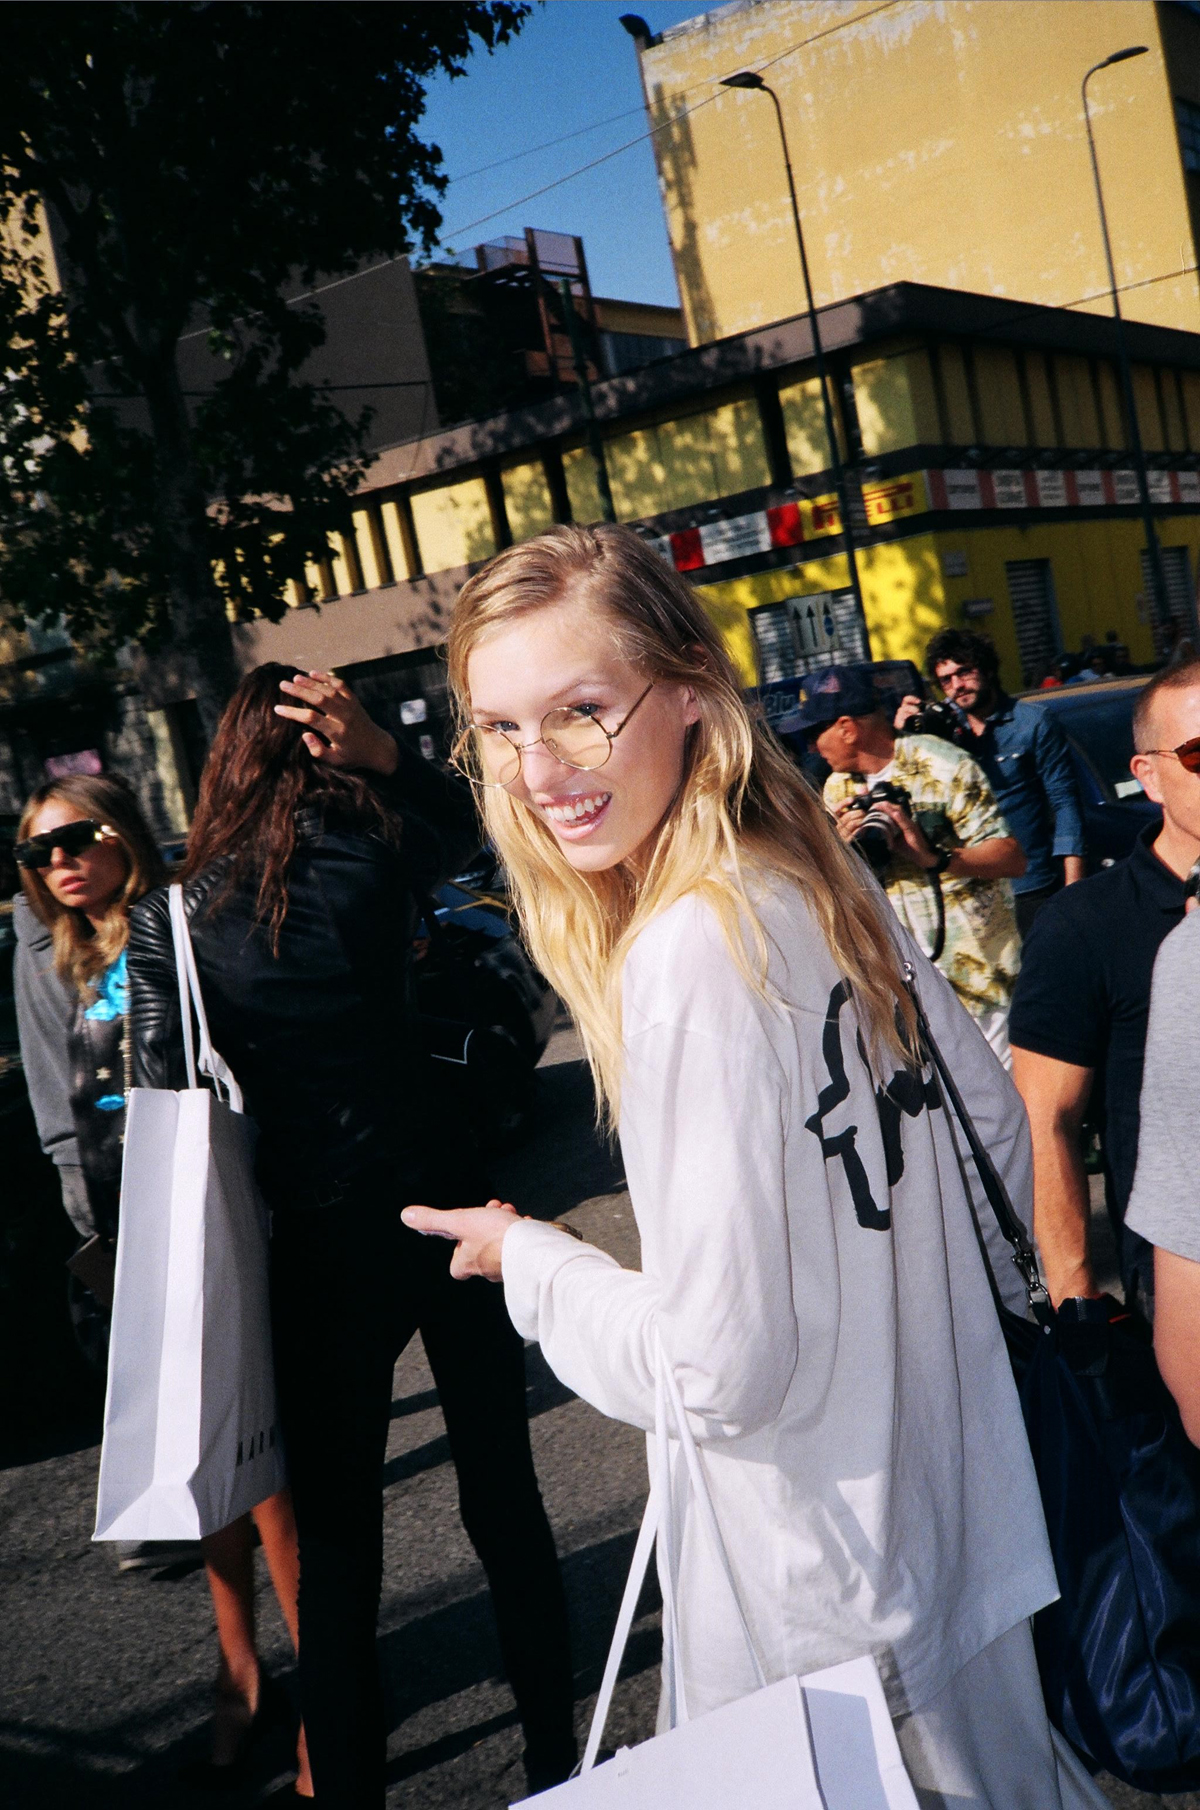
x,y
810,1256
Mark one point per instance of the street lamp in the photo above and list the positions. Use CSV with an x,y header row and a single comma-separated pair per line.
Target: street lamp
x,y
639,31
1161,610
746,78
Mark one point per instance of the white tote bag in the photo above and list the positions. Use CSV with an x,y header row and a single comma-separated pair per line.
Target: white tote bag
x,y
190,1438
821,1742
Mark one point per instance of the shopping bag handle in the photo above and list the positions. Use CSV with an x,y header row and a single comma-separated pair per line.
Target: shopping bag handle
x,y
1024,1253
668,1404
210,1064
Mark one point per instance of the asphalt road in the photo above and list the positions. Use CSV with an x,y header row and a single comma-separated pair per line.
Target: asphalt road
x,y
105,1680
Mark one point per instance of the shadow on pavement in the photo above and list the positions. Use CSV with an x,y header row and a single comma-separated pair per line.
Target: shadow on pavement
x,y
58,1434
439,1655
557,1168
109,1768
405,1405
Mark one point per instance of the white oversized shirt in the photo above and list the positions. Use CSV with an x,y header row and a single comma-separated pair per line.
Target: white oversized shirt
x,y
810,1257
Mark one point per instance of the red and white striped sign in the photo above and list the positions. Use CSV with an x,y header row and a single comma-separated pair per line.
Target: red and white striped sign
x,y
793,524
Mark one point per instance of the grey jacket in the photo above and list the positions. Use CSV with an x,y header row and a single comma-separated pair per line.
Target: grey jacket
x,y
45,1007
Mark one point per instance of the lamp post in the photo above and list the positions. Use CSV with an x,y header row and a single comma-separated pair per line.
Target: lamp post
x,y
1160,611
746,78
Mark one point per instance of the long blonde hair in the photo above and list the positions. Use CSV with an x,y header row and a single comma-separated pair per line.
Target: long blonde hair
x,y
742,807
81,953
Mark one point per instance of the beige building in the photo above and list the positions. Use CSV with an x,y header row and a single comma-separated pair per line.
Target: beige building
x,y
933,141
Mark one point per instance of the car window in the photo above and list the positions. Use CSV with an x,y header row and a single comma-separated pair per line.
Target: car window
x,y
1103,729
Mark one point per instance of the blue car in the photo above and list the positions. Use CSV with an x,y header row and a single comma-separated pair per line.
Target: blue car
x,y
1097,721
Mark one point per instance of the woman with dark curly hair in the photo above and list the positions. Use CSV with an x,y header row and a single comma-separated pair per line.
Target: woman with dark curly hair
x,y
304,866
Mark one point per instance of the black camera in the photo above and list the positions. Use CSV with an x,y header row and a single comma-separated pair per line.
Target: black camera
x,y
877,835
933,719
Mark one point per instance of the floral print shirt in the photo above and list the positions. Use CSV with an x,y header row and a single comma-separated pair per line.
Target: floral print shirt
x,y
951,793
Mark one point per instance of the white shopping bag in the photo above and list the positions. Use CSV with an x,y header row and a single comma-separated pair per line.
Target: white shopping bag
x,y
190,1436
821,1742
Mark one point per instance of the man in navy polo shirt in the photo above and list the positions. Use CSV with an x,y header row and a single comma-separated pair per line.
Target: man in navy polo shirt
x,y
1079,1014
1021,749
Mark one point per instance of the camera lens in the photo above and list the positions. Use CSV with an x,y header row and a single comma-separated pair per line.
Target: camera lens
x,y
875,839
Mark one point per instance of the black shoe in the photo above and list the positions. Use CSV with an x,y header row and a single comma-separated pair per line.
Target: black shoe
x,y
274,1711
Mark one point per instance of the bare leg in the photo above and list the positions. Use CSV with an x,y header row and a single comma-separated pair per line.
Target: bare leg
x,y
276,1525
229,1562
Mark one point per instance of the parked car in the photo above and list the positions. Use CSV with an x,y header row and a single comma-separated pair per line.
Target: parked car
x,y
486,1012
1097,721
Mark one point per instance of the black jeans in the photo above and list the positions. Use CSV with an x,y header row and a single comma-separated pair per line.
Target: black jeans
x,y
1030,903
350,1286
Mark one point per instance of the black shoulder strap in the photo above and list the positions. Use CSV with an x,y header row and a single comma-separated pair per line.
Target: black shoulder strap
x,y
1023,1253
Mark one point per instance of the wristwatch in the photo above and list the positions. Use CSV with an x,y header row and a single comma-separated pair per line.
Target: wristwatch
x,y
944,857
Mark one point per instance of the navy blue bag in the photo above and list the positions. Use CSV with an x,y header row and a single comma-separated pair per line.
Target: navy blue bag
x,y
1119,1653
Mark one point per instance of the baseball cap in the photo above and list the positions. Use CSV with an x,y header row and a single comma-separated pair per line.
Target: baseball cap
x,y
832,692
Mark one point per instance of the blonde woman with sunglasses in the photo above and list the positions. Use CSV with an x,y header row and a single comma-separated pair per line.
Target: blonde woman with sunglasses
x,y
810,1257
86,857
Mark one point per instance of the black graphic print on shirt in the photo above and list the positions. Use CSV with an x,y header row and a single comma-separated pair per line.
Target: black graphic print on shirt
x,y
905,1095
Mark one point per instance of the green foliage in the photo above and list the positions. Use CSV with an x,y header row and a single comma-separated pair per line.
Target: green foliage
x,y
70,544
201,164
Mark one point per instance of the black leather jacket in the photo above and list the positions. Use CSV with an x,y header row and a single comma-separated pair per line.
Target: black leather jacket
x,y
320,1036
96,1052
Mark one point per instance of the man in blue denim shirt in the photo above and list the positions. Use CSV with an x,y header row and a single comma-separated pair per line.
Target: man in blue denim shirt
x,y
1023,753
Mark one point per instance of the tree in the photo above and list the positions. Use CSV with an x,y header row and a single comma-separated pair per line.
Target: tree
x,y
197,162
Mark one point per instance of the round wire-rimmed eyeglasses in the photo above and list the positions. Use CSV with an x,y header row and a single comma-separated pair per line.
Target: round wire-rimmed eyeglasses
x,y
490,757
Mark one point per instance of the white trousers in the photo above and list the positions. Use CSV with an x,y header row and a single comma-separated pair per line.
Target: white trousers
x,y
984,1742
994,1026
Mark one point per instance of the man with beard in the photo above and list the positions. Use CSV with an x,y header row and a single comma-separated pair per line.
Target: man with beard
x,y
1021,749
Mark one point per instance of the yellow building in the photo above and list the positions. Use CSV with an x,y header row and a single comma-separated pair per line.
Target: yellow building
x,y
985,437
931,143
945,186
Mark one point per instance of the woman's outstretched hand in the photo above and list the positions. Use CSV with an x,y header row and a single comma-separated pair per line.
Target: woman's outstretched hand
x,y
478,1233
329,709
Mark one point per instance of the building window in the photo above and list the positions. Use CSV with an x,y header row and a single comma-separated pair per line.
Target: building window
x,y
1035,615
453,525
630,351
1177,575
1187,115
778,655
801,634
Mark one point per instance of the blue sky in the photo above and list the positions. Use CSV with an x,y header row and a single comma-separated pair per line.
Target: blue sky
x,y
572,70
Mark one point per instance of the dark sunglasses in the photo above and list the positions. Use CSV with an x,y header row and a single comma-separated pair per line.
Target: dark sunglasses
x,y
72,839
1187,754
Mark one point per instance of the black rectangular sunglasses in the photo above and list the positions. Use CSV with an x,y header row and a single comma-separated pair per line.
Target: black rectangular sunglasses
x,y
71,838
